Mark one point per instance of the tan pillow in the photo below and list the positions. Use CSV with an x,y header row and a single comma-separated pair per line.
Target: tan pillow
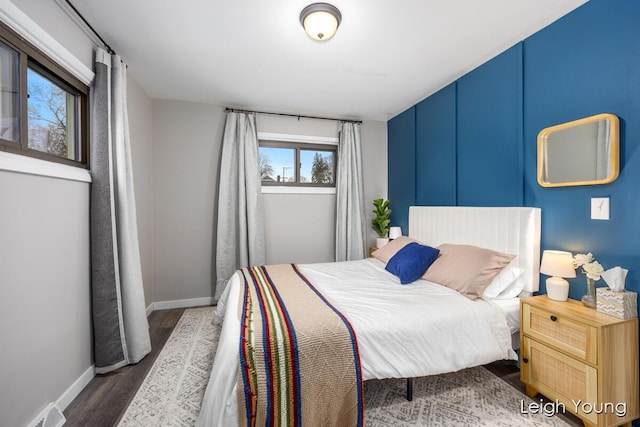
x,y
385,253
466,269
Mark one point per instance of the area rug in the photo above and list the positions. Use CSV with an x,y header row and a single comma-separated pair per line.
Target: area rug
x,y
471,397
172,392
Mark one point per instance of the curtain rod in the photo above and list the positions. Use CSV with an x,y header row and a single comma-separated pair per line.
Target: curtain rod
x,y
111,51
299,116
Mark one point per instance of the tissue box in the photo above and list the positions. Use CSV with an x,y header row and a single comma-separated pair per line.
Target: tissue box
x,y
623,305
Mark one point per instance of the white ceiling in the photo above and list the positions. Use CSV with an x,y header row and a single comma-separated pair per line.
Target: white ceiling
x,y
386,55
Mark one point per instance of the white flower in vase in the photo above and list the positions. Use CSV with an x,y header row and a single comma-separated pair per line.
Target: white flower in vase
x,y
581,259
593,270
590,267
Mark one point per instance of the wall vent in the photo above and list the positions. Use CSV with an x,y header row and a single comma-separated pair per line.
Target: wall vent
x,y
50,416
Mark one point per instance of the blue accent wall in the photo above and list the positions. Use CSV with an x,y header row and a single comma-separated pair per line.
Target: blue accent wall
x,y
489,133
587,62
584,64
401,147
436,149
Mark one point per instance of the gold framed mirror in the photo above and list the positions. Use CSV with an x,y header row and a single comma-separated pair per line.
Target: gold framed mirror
x,y
581,152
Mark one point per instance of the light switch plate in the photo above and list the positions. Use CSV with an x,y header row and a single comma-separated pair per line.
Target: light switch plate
x,y
600,208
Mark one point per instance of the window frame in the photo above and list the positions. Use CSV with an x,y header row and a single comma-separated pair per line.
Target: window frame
x,y
298,143
32,57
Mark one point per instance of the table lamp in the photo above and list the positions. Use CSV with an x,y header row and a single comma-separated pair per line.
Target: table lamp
x,y
395,232
558,265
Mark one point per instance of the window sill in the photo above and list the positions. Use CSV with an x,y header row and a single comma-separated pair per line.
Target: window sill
x,y
272,189
29,165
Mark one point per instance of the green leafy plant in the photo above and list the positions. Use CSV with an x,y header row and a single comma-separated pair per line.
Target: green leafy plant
x,y
380,223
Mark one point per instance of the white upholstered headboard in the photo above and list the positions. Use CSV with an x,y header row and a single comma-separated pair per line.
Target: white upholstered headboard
x,y
512,230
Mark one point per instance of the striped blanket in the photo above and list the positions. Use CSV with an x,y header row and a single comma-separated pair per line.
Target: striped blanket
x,y
299,357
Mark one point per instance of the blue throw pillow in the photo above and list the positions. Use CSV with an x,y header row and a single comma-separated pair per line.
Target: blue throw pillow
x,y
410,262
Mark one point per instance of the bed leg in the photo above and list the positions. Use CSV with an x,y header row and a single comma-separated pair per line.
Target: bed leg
x,y
409,389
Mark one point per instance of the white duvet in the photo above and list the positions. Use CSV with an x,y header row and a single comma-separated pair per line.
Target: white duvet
x,y
402,331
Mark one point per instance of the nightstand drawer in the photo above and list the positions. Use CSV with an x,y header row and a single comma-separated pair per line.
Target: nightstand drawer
x,y
559,376
573,337
572,353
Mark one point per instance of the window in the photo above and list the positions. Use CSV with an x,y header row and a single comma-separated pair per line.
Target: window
x,y
297,164
43,108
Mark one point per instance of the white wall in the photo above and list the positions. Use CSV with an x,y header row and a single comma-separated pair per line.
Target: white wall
x,y
186,153
52,19
187,141
301,227
45,317
374,163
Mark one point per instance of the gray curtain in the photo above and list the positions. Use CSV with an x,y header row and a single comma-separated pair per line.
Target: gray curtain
x,y
240,235
350,217
120,327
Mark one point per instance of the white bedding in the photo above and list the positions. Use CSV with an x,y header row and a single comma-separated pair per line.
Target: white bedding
x,y
511,309
402,331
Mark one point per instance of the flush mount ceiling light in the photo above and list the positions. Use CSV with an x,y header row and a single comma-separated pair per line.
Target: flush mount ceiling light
x,y
320,20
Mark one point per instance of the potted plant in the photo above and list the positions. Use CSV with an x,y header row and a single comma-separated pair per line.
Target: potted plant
x,y
380,222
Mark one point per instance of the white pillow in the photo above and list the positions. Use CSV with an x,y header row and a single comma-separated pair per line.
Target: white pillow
x,y
513,290
505,284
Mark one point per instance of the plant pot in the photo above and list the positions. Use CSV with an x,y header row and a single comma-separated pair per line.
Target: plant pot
x,y
381,241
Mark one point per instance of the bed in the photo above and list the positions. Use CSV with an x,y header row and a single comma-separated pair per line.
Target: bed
x,y
404,331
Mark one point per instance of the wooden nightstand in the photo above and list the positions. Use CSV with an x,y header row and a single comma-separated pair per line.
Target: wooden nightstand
x,y
372,249
576,356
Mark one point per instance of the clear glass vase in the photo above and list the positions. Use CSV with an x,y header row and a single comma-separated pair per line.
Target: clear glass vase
x,y
590,298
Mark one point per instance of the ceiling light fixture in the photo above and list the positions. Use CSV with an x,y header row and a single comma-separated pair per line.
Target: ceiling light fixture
x,y
320,20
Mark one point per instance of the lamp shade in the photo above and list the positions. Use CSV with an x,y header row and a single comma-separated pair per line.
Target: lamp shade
x,y
320,20
395,232
557,264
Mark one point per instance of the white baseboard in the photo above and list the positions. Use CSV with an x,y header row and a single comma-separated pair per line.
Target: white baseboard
x,y
181,303
74,390
79,384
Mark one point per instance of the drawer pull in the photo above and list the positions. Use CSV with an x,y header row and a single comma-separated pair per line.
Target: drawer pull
x,y
553,318
525,360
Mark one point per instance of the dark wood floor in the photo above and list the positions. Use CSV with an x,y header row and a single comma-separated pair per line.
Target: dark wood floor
x,y
105,399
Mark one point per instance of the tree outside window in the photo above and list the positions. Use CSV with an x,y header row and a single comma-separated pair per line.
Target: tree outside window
x,y
297,164
43,107
51,117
